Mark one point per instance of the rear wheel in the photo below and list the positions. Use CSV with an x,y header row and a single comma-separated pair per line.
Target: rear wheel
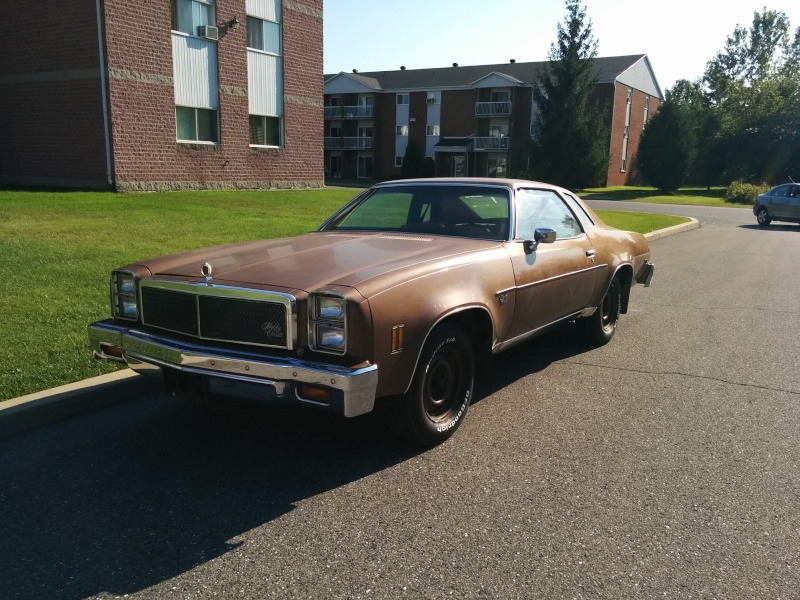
x,y
599,328
762,216
440,394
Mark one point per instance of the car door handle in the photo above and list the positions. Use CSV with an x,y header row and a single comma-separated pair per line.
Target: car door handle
x,y
591,253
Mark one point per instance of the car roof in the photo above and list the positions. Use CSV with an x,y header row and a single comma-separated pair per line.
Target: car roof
x,y
493,181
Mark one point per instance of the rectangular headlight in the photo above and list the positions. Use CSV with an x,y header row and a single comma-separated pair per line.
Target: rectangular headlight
x,y
330,337
123,296
327,322
330,308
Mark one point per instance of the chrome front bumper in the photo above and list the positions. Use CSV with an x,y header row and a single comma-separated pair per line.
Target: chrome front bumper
x,y
353,389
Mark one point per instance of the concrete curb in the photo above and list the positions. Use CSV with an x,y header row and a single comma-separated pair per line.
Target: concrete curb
x,y
661,233
49,406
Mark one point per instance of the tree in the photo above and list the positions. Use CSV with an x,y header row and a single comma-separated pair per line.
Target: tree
x,y
571,141
667,146
412,161
753,94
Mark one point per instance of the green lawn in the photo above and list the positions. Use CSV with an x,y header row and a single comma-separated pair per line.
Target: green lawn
x,y
58,249
690,195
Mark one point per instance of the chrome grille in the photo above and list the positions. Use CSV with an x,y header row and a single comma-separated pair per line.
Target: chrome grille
x,y
218,313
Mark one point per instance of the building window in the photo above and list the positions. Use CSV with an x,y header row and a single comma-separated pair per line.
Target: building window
x,y
197,124
402,99
627,131
336,131
501,96
188,15
263,35
265,131
432,130
398,161
497,167
364,167
434,97
646,110
401,130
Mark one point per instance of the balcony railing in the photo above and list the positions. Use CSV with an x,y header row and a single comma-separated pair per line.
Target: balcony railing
x,y
356,112
491,143
357,143
333,143
492,109
333,112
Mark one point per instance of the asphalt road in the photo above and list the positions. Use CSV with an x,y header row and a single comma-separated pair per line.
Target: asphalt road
x,y
663,465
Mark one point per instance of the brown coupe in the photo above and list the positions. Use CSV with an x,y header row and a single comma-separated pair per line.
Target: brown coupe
x,y
402,293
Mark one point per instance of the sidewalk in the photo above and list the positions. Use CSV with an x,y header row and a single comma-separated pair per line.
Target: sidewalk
x,y
49,406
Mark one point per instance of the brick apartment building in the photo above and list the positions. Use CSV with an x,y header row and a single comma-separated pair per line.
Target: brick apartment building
x,y
169,94
471,120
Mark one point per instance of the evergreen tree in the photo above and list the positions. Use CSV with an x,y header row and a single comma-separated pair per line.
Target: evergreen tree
x,y
412,161
667,146
571,141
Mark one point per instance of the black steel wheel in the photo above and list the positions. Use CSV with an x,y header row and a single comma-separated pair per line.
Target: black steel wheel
x,y
599,328
442,388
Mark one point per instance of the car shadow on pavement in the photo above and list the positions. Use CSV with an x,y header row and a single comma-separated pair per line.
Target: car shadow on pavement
x,y
141,492
773,227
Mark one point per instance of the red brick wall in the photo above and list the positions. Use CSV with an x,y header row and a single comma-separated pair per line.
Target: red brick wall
x,y
146,155
51,100
50,97
631,175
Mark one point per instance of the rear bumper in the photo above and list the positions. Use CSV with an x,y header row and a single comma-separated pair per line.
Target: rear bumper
x,y
645,276
351,390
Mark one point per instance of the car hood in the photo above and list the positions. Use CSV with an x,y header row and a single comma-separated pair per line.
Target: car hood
x,y
319,259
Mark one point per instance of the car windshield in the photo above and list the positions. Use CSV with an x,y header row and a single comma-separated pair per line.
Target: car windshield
x,y
480,212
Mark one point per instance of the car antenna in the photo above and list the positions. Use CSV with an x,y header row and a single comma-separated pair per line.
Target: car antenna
x,y
790,179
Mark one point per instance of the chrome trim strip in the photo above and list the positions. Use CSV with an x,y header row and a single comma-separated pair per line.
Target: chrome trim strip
x,y
534,332
358,385
202,288
548,280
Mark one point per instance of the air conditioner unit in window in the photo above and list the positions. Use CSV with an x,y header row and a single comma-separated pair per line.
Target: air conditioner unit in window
x,y
208,31
431,100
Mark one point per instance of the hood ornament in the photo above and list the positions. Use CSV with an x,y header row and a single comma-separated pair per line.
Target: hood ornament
x,y
205,270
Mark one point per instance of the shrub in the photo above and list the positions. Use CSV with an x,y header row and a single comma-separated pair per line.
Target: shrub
x,y
740,192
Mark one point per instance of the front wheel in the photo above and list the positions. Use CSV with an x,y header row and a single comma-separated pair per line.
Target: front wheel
x,y
762,216
440,394
599,328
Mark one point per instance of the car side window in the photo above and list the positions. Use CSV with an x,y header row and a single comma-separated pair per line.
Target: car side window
x,y
544,208
781,191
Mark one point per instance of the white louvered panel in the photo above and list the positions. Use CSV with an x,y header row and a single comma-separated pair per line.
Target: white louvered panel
x,y
264,84
194,65
264,9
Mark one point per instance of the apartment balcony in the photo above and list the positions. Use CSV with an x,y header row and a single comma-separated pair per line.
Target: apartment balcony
x,y
356,112
333,143
493,143
333,112
357,143
493,109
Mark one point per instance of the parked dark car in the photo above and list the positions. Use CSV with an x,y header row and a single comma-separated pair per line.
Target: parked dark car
x,y
402,294
781,203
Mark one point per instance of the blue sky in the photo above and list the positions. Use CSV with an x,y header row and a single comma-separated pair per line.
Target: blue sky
x,y
679,36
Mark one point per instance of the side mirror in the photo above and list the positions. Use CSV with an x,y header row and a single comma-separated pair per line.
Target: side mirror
x,y
542,235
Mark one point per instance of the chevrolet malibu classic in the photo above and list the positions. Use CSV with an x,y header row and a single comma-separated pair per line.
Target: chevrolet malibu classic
x,y
405,292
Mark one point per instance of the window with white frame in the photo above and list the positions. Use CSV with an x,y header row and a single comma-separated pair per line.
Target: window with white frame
x,y
432,130
188,15
197,124
402,99
626,133
646,110
265,131
401,130
263,35
434,97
